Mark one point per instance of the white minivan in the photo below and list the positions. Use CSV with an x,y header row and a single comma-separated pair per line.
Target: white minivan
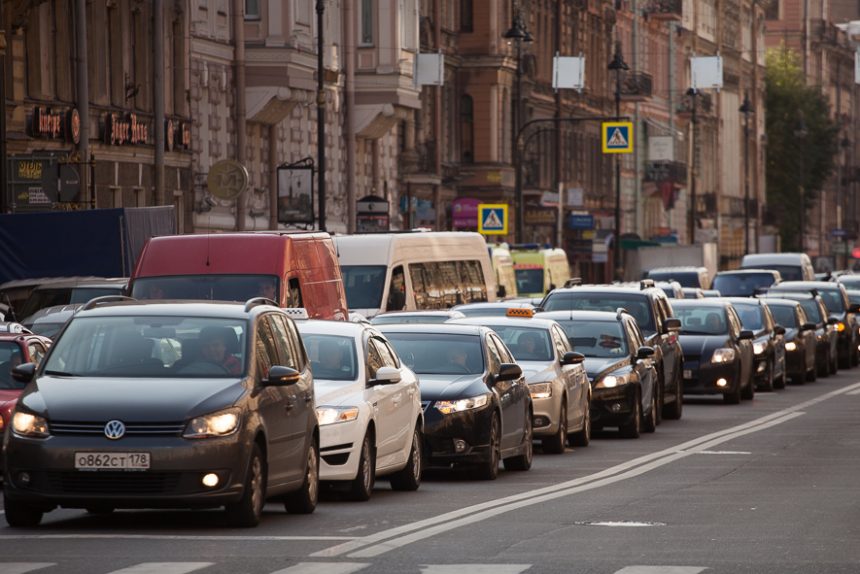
x,y
414,270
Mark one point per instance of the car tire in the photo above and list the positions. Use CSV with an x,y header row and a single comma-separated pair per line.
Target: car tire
x,y
361,487
304,500
835,363
583,436
748,392
555,444
19,514
649,419
812,374
409,477
675,410
823,367
768,384
246,513
779,383
633,428
489,469
661,396
734,396
523,461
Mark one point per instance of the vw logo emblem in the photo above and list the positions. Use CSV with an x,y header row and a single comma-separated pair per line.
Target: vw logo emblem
x,y
114,430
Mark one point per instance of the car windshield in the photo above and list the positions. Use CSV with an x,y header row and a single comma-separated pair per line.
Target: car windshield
x,y
636,305
685,278
41,298
128,346
47,329
332,357
599,339
784,316
10,357
207,287
833,300
752,316
526,343
742,285
529,280
813,310
702,320
398,319
788,272
364,285
439,353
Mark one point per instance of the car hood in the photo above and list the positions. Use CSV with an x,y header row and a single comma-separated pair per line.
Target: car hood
x,y
597,367
336,393
538,371
790,334
702,345
448,387
129,399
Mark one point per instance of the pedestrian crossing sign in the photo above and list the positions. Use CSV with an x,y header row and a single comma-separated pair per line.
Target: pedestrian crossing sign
x,y
617,137
493,218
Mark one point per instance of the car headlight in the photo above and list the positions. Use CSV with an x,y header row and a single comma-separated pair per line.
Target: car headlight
x,y
222,423
791,346
541,390
448,407
332,415
612,381
724,355
30,425
758,348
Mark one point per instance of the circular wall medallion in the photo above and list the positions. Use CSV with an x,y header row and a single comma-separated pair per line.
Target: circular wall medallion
x,y
227,179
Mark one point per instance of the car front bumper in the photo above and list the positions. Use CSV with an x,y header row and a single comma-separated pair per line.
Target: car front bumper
x,y
613,407
443,433
703,377
340,450
545,421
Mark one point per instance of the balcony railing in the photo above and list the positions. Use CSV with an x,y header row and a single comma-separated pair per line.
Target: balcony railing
x,y
636,86
704,104
665,9
657,171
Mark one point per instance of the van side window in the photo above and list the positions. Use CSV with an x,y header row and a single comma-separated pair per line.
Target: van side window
x,y
426,286
473,289
294,296
397,290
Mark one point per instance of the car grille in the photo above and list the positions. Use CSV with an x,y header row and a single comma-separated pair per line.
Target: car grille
x,y
134,483
65,428
425,405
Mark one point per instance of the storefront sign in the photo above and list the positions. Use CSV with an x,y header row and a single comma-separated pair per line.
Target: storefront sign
x,y
177,135
540,216
464,212
580,221
40,182
48,123
125,129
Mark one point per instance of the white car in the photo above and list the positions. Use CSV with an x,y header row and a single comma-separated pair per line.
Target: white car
x,y
368,407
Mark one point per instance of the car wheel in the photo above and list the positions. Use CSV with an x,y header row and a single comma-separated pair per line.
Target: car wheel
x,y
583,436
836,363
489,470
361,486
733,397
633,427
768,386
555,443
675,410
649,422
855,354
19,514
247,511
523,461
409,478
812,374
824,366
661,396
748,392
779,383
304,500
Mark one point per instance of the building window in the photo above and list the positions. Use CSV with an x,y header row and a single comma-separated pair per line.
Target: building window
x,y
366,15
466,20
467,130
772,10
252,9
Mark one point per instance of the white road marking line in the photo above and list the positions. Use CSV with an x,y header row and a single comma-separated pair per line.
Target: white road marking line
x,y
475,568
163,568
324,568
722,452
22,567
854,393
622,524
448,521
662,570
171,537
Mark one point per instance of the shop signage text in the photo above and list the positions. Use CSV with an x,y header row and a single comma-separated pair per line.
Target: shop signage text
x,y
48,123
125,129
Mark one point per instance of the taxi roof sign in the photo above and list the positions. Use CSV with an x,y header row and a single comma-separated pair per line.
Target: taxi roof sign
x,y
617,137
520,312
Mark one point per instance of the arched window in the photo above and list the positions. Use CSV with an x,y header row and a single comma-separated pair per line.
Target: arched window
x,y
467,130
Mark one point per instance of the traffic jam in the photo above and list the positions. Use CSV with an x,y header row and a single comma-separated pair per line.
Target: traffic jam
x,y
238,369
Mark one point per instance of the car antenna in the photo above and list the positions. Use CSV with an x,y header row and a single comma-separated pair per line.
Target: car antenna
x,y
208,239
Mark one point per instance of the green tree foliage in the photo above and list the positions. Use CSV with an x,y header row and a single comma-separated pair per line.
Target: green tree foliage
x,y
797,159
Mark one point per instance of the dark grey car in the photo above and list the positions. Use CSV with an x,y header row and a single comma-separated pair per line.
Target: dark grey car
x,y
166,405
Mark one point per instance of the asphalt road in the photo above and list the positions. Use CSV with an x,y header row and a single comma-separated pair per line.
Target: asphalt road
x,y
765,487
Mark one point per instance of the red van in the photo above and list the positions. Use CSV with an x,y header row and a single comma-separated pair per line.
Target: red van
x,y
296,269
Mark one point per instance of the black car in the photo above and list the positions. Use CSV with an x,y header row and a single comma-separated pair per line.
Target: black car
x,y
840,308
477,405
768,344
175,405
619,366
652,311
745,282
672,289
718,352
826,334
800,343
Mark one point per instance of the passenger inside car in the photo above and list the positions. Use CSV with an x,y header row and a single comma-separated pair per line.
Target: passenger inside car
x,y
329,363
217,345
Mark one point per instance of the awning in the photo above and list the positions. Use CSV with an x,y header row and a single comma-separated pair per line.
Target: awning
x,y
268,104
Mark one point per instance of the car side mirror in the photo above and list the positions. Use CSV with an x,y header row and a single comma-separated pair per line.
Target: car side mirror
x,y
854,308
832,321
672,325
385,376
746,335
779,329
644,352
24,373
281,377
808,327
572,358
509,372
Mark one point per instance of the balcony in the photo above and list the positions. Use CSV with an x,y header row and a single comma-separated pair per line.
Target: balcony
x,y
636,86
704,105
668,10
659,171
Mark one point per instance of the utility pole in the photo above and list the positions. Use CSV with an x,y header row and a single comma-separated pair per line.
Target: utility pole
x,y
693,94
746,109
518,34
617,65
321,115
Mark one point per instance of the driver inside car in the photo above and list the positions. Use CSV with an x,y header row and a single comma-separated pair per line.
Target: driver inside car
x,y
214,348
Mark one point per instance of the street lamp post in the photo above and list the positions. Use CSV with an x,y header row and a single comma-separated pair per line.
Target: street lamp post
x,y
693,94
320,8
845,143
800,133
746,109
617,65
518,34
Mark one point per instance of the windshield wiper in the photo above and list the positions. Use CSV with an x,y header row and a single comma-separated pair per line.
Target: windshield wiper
x,y
60,374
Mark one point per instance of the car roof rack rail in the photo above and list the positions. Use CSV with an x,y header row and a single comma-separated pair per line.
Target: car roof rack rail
x,y
95,302
621,311
646,284
257,301
573,282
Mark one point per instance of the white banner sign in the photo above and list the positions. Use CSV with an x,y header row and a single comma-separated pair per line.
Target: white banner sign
x,y
429,69
706,72
661,148
568,73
